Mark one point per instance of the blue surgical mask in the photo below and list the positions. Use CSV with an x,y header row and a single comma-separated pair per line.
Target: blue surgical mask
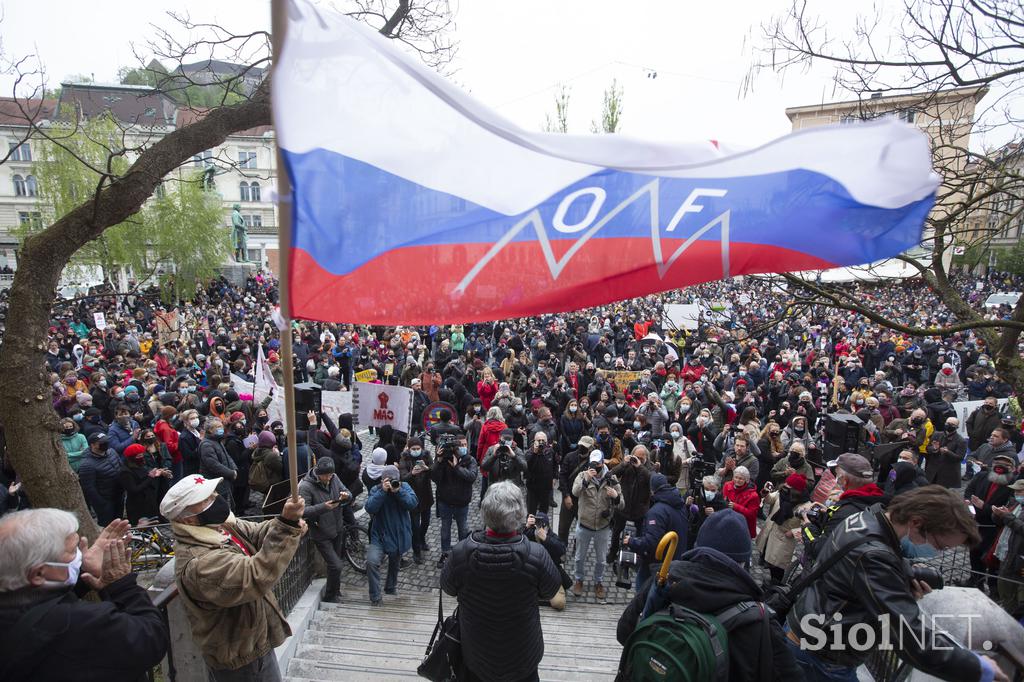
x,y
1019,498
218,432
636,426
119,395
463,450
74,568
416,453
914,551
78,416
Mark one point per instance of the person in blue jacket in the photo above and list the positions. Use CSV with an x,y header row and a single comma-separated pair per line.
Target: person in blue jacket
x,y
388,503
667,513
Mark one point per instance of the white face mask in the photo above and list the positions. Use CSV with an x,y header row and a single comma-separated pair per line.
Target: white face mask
x,y
676,435
74,568
709,495
193,423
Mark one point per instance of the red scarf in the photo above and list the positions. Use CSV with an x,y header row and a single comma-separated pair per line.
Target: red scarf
x,y
870,490
238,543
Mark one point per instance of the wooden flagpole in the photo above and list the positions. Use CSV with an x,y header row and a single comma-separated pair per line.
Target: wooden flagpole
x,y
278,26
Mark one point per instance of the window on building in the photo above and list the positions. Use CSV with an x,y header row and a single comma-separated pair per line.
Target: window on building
x,y
159,191
203,159
907,115
254,191
19,186
243,191
30,218
31,185
20,152
247,159
253,220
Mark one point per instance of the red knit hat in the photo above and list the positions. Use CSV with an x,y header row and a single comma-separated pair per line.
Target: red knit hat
x,y
797,482
134,450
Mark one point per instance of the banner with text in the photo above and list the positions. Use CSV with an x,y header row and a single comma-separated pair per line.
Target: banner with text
x,y
381,405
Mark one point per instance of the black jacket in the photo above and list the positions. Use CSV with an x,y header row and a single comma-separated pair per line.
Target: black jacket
x,y
541,468
636,488
188,447
115,640
868,583
707,581
667,513
419,482
142,492
455,484
498,582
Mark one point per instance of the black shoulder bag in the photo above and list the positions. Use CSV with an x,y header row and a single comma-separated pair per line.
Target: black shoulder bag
x,y
443,657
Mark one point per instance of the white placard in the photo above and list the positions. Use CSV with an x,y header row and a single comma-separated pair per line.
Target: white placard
x,y
965,408
100,320
382,405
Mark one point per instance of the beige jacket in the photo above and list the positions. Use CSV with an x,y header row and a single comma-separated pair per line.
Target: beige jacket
x,y
229,596
593,500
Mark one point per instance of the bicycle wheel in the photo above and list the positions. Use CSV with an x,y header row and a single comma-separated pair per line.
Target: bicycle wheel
x,y
357,539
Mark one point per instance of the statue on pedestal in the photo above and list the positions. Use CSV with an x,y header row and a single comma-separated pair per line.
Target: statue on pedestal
x,y
239,235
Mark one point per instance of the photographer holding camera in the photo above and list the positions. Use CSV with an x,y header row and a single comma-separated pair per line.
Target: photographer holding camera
x,y
505,461
634,474
453,472
538,529
389,503
873,585
599,494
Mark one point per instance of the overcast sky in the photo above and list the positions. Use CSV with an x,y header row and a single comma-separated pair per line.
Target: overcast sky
x,y
511,55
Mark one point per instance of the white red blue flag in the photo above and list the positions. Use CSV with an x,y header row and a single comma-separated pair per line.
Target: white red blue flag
x,y
414,204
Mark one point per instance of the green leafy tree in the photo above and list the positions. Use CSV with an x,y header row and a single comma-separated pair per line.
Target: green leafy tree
x,y
152,243
559,123
1012,259
611,111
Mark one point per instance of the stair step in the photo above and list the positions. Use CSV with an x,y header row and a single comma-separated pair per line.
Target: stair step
x,y
325,646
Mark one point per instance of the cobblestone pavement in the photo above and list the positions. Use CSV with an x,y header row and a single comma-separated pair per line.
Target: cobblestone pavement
x,y
426,576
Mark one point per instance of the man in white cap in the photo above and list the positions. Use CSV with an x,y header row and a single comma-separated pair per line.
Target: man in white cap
x,y
226,570
599,495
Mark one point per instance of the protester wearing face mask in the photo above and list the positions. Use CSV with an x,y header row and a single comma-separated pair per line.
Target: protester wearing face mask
x,y
869,586
1008,549
453,472
45,565
215,462
74,443
778,537
225,569
703,434
856,478
981,422
414,468
945,452
188,442
794,462
706,502
98,474
987,490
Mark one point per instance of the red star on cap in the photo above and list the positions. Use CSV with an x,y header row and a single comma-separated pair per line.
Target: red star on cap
x,y
198,480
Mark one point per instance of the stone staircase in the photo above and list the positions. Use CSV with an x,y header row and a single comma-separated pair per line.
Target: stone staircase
x,y
353,640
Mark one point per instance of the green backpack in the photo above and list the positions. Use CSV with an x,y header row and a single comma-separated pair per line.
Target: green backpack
x,y
678,644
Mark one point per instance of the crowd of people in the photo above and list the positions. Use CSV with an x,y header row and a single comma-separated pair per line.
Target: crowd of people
x,y
753,437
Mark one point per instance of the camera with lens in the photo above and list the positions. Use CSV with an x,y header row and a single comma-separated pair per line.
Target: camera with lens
x,y
925,574
816,516
626,561
448,446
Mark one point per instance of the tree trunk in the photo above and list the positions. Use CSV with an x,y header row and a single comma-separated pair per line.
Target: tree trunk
x,y
29,422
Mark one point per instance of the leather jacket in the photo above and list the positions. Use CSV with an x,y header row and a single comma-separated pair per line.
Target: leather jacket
x,y
865,586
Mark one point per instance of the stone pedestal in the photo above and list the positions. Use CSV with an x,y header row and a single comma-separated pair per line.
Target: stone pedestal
x,y
237,273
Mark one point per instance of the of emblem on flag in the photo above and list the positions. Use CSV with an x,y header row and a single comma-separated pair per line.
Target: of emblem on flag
x,y
455,214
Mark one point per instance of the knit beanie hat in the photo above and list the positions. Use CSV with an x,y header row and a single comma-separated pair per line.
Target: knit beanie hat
x,y
727,532
266,439
657,481
797,482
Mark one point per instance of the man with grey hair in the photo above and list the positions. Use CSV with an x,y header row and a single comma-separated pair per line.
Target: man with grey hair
x,y
46,631
214,460
499,577
599,495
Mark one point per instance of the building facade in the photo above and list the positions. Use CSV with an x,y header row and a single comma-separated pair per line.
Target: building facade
x,y
242,170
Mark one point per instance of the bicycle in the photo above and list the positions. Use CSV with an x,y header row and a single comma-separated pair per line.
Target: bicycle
x,y
357,539
150,546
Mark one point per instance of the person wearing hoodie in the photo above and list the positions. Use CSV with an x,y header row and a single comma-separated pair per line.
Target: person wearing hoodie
x,y
667,513
266,469
710,579
74,443
414,468
325,496
373,470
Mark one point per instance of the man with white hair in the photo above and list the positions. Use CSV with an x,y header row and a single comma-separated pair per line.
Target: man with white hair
x,y
499,578
46,631
226,570
599,495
